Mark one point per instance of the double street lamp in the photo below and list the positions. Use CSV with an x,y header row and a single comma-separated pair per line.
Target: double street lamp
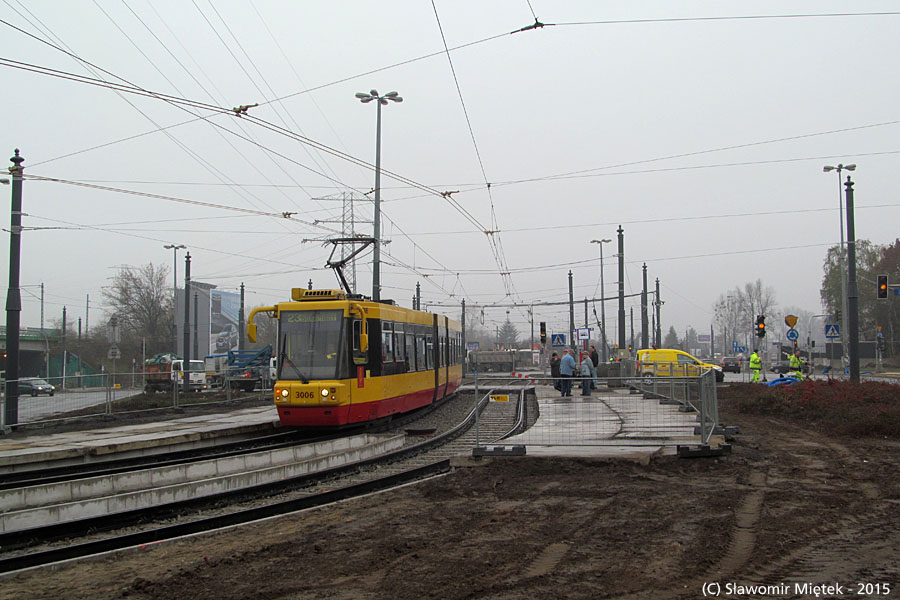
x,y
174,248
839,168
602,300
376,255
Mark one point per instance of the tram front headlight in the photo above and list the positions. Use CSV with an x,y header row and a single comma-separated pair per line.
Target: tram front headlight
x,y
284,393
324,393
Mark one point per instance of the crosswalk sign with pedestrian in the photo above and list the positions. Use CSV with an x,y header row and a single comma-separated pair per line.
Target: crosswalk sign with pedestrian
x,y
558,340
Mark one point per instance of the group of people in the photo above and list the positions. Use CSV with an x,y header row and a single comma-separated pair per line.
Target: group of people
x,y
795,364
565,369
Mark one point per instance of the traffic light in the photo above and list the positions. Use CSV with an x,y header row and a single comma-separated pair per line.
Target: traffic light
x,y
543,332
761,326
882,288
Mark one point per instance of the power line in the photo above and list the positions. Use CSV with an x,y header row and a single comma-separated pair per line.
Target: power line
x,y
728,18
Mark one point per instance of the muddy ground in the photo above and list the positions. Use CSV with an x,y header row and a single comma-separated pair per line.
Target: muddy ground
x,y
789,507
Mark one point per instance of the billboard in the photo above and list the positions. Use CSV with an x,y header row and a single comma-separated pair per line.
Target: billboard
x,y
224,311
214,320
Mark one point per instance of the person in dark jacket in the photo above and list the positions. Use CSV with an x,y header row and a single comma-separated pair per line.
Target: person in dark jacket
x,y
554,369
595,358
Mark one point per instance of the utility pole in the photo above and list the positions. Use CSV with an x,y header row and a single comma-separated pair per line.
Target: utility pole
x,y
80,378
187,322
621,233
87,306
241,320
645,333
631,314
571,312
14,296
64,357
852,289
196,329
464,348
658,324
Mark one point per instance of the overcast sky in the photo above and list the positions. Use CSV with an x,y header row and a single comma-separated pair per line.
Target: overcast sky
x,y
699,127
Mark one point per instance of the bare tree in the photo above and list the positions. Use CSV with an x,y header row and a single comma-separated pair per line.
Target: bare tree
x,y
142,301
737,310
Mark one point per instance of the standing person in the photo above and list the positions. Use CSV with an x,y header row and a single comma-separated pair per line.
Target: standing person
x,y
796,365
755,366
595,358
566,372
587,375
554,370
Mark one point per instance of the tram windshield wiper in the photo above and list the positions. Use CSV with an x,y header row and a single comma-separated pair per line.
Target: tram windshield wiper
x,y
284,360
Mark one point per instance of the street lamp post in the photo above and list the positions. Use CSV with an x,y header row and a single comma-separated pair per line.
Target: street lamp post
x,y
376,254
839,168
605,358
174,248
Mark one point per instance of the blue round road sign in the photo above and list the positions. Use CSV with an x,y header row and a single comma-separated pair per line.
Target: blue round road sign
x,y
792,335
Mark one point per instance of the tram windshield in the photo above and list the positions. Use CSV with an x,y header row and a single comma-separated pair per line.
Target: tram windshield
x,y
311,345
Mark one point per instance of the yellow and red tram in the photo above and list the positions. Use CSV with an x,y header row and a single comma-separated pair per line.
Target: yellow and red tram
x,y
343,359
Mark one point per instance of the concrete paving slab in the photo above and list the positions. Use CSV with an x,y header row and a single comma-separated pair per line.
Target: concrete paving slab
x,y
82,446
607,423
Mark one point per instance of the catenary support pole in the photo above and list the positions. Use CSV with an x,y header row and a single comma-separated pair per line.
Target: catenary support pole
x,y
658,324
14,296
645,332
621,257
187,322
852,288
571,314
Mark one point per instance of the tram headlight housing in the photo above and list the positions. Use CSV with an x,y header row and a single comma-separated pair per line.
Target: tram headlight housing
x,y
283,392
324,392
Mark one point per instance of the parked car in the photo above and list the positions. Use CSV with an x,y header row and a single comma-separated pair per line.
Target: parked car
x,y
663,362
782,367
35,387
731,364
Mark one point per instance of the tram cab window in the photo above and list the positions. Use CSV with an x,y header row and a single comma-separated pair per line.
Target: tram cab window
x,y
311,345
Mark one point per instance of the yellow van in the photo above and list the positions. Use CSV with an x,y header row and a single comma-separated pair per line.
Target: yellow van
x,y
664,362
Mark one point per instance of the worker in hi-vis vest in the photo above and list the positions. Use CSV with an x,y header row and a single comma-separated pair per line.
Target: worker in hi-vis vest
x,y
755,366
796,366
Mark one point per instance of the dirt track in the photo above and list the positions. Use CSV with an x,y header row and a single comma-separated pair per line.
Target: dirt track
x,y
789,507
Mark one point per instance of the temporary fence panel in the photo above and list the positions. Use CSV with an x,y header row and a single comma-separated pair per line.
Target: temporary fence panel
x,y
622,410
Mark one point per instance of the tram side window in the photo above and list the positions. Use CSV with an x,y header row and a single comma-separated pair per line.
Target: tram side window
x,y
387,342
411,350
429,351
421,361
400,349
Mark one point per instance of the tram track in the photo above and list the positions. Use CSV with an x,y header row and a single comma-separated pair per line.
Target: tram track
x,y
43,545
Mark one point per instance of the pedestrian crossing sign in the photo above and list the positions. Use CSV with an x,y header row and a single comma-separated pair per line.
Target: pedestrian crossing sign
x,y
832,330
558,340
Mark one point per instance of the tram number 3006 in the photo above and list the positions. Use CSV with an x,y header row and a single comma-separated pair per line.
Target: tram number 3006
x,y
309,395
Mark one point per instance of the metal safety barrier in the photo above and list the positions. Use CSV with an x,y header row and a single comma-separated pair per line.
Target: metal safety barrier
x,y
619,408
82,397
